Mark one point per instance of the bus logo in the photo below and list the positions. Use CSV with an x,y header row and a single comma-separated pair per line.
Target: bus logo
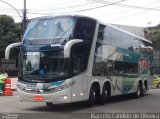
x,y
56,45
144,64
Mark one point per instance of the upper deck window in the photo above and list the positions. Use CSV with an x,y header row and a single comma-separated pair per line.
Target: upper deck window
x,y
56,29
146,47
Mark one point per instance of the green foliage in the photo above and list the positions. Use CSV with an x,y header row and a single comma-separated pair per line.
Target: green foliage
x,y
154,36
10,32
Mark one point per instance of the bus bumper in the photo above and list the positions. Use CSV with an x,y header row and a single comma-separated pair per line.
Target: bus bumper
x,y
59,97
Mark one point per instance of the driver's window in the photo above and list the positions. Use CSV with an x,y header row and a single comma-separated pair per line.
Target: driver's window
x,y
77,64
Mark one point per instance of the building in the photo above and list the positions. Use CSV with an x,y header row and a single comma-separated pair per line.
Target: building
x,y
139,31
157,62
156,50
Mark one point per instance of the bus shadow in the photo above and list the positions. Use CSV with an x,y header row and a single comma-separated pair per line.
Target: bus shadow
x,y
59,108
72,107
123,98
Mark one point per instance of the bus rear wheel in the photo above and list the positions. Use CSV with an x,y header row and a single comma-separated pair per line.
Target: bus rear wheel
x,y
144,90
92,94
158,86
104,95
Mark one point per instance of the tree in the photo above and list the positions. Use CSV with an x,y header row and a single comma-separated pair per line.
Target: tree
x,y
10,32
154,36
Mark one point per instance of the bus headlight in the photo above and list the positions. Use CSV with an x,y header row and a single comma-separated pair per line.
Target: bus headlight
x,y
65,86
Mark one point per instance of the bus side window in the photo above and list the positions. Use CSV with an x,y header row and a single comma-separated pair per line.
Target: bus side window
x,y
107,35
119,68
135,44
126,41
116,37
146,47
77,64
100,36
110,68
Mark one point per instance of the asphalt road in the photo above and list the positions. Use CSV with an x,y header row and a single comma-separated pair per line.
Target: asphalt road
x,y
10,106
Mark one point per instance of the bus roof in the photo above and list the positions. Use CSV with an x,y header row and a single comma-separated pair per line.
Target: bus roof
x,y
72,15
107,24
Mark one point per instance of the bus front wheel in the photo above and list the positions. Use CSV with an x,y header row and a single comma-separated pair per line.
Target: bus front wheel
x,y
144,90
138,92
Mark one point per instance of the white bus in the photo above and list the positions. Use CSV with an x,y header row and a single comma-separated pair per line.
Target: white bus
x,y
71,58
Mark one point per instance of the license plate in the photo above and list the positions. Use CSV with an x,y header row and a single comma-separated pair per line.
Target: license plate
x,y
38,98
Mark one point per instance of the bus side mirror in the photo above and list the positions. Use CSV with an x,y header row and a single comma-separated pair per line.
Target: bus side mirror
x,y
68,45
7,50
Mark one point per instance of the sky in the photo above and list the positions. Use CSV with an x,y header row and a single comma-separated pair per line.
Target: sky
x,y
142,13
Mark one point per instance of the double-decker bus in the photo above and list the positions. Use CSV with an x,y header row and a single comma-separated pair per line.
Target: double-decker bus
x,y
71,58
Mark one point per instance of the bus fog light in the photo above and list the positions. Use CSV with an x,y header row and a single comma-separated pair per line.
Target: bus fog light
x,y
74,94
65,97
81,94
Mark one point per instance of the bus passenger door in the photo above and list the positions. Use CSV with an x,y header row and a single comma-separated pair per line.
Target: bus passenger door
x,y
77,69
77,89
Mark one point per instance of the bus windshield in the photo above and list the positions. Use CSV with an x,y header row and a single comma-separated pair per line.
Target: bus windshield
x,y
55,29
47,65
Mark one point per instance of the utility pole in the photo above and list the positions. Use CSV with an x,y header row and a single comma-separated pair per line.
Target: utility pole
x,y
24,17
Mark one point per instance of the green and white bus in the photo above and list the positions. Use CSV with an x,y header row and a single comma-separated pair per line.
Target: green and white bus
x,y
71,58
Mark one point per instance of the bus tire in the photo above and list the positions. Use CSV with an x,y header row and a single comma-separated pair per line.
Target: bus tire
x,y
49,104
90,101
144,91
104,95
137,94
158,86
